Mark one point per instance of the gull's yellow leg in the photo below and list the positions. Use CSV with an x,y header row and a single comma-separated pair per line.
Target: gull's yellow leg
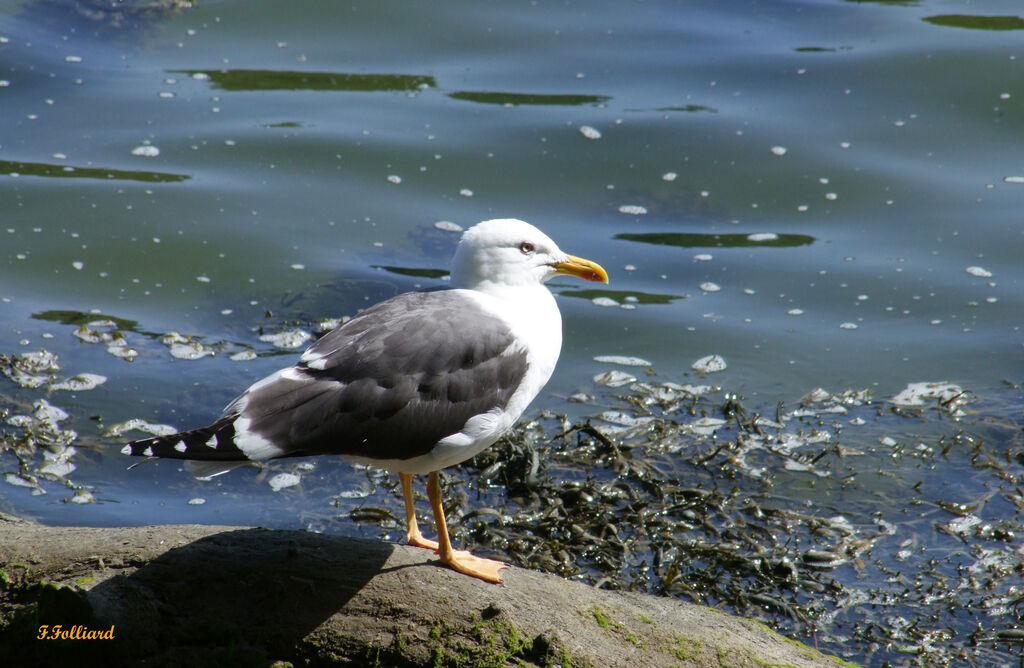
x,y
460,560
413,535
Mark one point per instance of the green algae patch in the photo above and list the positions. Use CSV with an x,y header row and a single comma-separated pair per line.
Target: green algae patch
x,y
491,642
684,649
605,621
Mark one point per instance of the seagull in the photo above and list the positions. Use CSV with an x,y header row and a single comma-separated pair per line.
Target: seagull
x,y
414,384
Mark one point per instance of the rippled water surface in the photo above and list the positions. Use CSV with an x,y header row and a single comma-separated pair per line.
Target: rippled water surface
x,y
823,193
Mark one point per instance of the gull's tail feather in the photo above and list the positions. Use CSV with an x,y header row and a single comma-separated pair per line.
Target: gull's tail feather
x,y
214,443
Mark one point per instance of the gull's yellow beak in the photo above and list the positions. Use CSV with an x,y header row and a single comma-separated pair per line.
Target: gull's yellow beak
x,y
580,268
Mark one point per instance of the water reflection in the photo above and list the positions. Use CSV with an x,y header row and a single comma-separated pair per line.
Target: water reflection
x,y
79,318
690,108
17,168
523,99
821,49
413,271
974,22
692,240
252,80
115,22
896,3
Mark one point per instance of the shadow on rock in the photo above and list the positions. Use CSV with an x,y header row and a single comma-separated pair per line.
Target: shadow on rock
x,y
244,597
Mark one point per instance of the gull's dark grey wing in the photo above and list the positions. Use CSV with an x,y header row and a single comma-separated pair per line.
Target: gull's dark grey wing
x,y
388,384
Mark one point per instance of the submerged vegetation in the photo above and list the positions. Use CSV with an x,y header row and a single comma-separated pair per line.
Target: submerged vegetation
x,y
886,531
837,522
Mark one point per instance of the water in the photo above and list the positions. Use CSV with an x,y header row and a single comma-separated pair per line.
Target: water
x,y
243,165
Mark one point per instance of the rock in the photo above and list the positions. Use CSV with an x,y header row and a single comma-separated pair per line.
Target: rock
x,y
206,595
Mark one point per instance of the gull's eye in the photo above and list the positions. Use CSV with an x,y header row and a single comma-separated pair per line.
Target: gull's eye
x,y
526,248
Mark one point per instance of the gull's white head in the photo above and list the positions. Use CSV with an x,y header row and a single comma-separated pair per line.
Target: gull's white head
x,y
507,252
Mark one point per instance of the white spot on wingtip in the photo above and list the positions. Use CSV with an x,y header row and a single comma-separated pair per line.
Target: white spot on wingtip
x,y
180,446
293,373
252,445
212,443
126,450
148,452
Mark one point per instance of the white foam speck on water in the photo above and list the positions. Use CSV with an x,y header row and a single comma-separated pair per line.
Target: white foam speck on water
x,y
288,339
80,383
283,480
330,324
19,480
119,348
146,151
141,425
31,369
633,210
83,496
188,351
92,335
709,364
47,412
917,394
705,426
762,236
604,301
669,176
708,286
590,132
672,390
703,257
614,378
980,272
58,463
963,525
779,150
622,360
624,419
448,226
